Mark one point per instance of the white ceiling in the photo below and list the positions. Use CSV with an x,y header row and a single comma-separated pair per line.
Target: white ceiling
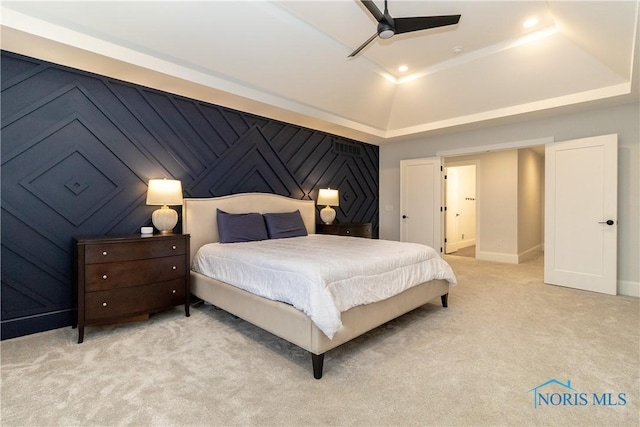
x,y
288,59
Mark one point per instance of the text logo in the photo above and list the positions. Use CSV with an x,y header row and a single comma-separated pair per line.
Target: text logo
x,y
556,393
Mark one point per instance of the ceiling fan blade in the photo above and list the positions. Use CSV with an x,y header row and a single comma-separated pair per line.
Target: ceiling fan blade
x,y
373,9
362,46
407,25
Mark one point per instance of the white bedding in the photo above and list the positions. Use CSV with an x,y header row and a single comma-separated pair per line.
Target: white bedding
x,y
322,275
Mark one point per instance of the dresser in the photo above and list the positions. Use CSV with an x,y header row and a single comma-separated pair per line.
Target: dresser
x,y
120,277
354,229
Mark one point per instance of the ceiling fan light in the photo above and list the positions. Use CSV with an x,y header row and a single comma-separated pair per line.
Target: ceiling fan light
x,y
386,34
385,31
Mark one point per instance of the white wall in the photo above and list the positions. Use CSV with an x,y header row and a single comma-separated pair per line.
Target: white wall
x,y
468,197
497,206
460,200
623,120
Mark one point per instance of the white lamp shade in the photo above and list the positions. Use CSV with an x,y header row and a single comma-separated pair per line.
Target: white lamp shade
x,y
163,192
328,197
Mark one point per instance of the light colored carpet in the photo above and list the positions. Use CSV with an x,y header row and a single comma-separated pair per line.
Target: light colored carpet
x,y
469,251
473,363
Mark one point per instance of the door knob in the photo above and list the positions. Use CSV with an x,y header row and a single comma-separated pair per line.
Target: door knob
x,y
608,222
404,217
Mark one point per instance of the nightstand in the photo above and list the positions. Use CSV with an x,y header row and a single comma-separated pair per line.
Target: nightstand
x,y
353,229
118,277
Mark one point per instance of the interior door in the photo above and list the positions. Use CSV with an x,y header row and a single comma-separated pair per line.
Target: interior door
x,y
420,201
580,214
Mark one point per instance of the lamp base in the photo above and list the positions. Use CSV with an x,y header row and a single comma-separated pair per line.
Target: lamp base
x,y
327,215
164,219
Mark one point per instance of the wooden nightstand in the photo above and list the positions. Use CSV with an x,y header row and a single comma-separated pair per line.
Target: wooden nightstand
x,y
353,229
124,276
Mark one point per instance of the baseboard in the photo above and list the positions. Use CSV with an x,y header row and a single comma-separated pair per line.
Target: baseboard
x,y
509,258
497,257
28,325
530,253
629,288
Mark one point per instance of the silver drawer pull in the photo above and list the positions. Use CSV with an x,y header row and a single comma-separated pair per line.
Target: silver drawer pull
x,y
173,247
348,231
173,291
104,253
104,276
174,268
104,304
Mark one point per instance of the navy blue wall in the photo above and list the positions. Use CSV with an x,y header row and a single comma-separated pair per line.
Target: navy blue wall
x,y
78,150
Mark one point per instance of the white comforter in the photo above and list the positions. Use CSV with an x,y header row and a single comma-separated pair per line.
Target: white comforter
x,y
322,275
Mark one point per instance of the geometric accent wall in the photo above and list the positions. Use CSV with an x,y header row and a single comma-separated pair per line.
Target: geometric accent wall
x,y
78,150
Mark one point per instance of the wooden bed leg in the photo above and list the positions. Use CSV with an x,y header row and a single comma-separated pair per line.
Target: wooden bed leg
x,y
317,360
445,300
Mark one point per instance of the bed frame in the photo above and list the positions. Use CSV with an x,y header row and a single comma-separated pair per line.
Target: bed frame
x,y
283,320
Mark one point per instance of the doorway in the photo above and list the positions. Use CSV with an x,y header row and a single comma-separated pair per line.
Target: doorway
x,y
512,226
506,188
460,215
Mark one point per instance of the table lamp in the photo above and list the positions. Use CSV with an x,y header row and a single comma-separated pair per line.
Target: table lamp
x,y
164,192
328,198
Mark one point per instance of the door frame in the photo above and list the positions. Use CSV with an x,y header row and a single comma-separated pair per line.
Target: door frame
x,y
446,154
482,149
527,143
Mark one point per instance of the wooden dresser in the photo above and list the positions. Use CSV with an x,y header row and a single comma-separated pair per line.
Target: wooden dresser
x,y
354,229
124,276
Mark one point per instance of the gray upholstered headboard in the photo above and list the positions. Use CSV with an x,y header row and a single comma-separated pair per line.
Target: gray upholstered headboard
x,y
199,215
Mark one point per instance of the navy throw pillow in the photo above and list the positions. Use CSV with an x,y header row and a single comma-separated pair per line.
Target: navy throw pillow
x,y
288,224
246,227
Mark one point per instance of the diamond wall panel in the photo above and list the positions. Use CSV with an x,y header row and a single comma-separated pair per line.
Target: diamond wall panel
x,y
78,150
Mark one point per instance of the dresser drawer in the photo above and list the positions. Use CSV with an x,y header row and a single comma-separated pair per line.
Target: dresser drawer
x,y
104,305
104,276
356,230
152,248
346,229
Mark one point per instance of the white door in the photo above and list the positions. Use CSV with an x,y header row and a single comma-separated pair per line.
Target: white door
x,y
420,201
580,213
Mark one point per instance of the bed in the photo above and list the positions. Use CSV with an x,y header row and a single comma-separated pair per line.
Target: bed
x,y
199,219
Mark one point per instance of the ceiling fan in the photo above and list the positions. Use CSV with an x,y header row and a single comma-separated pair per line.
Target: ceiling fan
x,y
388,26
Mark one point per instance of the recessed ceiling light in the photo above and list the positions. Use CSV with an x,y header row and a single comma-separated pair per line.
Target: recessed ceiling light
x,y
530,23
403,68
